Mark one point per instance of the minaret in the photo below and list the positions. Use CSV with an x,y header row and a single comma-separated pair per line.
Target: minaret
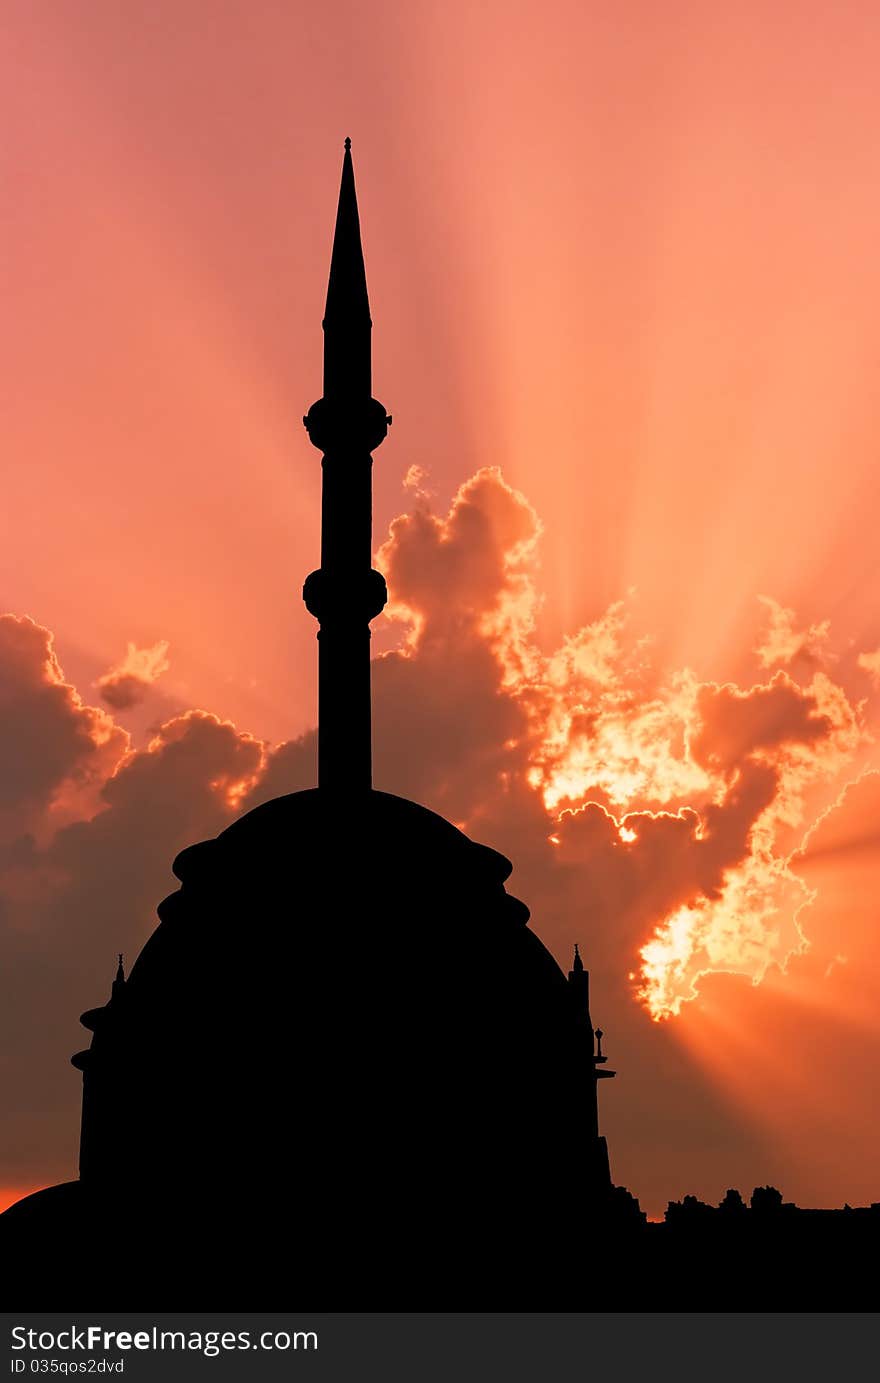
x,y
590,1060
345,594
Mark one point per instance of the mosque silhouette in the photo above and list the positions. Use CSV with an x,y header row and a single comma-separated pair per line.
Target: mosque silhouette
x,y
344,1072
343,1033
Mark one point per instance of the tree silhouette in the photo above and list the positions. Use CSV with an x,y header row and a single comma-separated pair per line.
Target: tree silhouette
x,y
733,1203
766,1200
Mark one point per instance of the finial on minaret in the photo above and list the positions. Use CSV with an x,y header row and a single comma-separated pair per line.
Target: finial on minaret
x,y
119,982
577,964
347,424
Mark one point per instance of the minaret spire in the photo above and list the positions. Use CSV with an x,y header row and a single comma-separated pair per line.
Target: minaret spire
x,y
347,424
347,324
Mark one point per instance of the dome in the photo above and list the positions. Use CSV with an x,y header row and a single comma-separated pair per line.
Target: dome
x,y
341,1014
311,915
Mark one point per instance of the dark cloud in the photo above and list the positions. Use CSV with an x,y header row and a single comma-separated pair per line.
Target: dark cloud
x,y
123,691
49,740
736,723
126,684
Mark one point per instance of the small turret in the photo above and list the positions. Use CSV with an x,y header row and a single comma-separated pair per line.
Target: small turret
x,y
98,1072
591,1060
119,981
579,987
93,1018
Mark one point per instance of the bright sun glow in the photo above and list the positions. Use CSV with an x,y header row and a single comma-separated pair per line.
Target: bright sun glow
x,y
724,768
699,787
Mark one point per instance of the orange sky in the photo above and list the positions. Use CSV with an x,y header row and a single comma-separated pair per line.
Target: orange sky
x,y
628,258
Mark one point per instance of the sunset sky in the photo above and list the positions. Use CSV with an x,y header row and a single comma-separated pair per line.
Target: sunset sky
x,y
626,298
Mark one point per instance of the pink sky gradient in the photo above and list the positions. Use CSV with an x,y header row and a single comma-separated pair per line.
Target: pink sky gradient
x,y
628,256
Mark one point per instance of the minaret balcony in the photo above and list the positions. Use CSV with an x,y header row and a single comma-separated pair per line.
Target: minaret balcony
x,y
336,425
337,599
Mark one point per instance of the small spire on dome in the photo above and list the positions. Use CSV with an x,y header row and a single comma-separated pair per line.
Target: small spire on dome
x,y
347,144
119,983
577,964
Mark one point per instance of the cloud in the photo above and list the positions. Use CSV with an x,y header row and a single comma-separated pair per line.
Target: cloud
x,y
735,724
445,723
126,684
782,643
54,749
703,777
799,1051
415,482
870,662
646,811
467,571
